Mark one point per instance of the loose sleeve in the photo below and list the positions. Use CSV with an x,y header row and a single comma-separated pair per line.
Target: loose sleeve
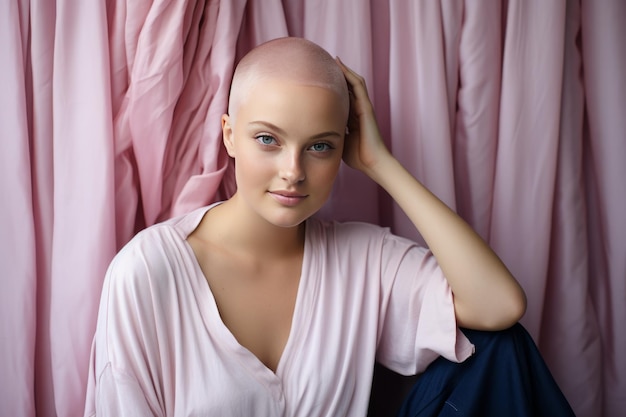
x,y
124,369
418,322
119,394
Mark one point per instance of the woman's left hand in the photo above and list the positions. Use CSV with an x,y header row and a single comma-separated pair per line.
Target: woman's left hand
x,y
364,146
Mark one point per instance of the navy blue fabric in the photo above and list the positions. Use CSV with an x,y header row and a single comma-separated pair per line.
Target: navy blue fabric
x,y
505,377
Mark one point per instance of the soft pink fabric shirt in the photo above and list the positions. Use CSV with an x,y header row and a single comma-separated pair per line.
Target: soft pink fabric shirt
x,y
160,346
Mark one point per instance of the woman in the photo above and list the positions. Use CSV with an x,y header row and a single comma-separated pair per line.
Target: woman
x,y
252,306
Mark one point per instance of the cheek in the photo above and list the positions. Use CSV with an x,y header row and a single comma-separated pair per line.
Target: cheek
x,y
250,168
325,174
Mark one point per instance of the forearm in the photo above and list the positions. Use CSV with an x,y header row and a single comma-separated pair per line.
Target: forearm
x,y
486,295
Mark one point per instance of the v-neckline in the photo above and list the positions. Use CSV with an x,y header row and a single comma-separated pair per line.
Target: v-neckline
x,y
213,321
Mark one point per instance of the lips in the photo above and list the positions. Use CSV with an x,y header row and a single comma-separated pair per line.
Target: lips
x,y
287,198
288,194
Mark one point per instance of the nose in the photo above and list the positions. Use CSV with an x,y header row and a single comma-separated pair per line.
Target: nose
x,y
292,169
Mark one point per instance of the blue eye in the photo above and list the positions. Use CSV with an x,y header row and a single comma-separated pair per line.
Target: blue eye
x,y
321,147
266,139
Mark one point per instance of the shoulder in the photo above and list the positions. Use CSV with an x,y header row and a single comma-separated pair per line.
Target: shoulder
x,y
144,280
347,230
158,244
149,246
153,260
359,234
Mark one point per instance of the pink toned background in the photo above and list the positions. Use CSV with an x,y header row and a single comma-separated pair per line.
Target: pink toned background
x,y
512,112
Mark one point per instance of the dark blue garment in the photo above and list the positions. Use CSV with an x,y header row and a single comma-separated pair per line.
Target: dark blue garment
x,y
505,377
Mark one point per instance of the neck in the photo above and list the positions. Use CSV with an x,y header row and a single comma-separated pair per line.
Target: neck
x,y
238,227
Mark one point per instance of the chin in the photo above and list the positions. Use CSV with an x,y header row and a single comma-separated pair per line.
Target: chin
x,y
292,218
288,222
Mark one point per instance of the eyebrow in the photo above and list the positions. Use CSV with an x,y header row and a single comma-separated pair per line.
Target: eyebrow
x,y
280,131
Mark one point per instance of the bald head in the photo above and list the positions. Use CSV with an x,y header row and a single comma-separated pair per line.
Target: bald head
x,y
294,60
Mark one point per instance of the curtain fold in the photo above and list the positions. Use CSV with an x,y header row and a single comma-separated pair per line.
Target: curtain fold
x,y
512,112
18,299
83,240
420,123
42,25
570,321
478,104
526,159
604,66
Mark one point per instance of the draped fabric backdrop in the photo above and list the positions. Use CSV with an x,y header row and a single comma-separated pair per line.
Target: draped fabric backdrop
x,y
512,112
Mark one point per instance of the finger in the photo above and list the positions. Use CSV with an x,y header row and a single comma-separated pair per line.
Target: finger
x,y
346,69
356,82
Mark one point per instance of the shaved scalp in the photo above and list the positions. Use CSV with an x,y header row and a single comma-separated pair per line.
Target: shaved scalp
x,y
290,59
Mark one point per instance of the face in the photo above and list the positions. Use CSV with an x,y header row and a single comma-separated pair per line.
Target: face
x,y
287,142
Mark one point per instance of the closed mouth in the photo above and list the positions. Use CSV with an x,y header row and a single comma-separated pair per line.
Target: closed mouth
x,y
288,194
287,198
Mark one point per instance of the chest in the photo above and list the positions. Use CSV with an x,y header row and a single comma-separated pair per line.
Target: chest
x,y
325,350
302,315
256,300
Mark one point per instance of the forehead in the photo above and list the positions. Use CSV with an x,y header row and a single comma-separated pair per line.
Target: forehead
x,y
289,103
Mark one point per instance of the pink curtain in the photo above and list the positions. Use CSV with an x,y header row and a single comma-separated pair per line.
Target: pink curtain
x,y
512,112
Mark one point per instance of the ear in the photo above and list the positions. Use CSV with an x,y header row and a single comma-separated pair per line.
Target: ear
x,y
227,135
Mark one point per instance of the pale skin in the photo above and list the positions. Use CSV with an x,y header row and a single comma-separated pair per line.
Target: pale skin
x,y
486,295
250,247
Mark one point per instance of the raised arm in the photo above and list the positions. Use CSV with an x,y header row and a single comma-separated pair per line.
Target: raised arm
x,y
486,295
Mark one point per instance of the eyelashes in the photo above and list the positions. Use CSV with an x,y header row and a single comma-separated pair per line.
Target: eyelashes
x,y
321,147
265,139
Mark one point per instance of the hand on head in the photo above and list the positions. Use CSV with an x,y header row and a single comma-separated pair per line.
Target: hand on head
x,y
364,146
